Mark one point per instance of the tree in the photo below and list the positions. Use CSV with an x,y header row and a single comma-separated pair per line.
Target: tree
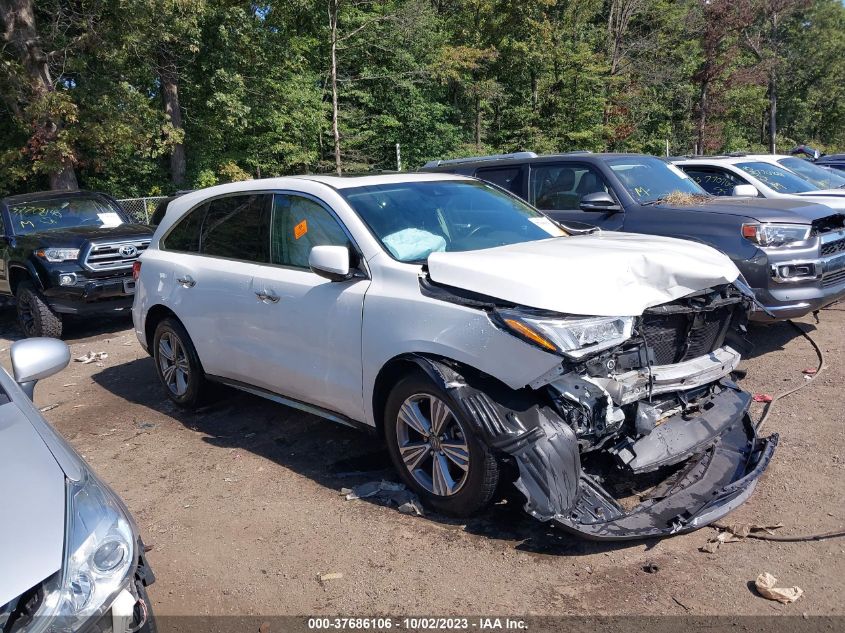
x,y
36,102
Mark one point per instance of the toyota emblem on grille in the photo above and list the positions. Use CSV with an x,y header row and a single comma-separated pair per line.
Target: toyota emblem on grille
x,y
127,250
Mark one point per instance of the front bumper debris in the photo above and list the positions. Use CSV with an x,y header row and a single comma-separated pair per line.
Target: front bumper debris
x,y
716,460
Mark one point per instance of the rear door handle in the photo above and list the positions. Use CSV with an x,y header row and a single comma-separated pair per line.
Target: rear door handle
x,y
186,282
267,296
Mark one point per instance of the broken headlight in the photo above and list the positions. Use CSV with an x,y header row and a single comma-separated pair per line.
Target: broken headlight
x,y
575,337
99,558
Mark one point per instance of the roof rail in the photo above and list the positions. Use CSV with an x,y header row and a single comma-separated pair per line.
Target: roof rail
x,y
473,159
577,151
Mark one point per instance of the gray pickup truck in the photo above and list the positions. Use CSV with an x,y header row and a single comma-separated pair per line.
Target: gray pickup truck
x,y
791,252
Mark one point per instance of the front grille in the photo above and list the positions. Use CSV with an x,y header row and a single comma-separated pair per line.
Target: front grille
x,y
831,248
831,279
115,255
676,337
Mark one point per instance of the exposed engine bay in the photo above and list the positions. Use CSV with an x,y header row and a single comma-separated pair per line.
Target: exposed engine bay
x,y
656,419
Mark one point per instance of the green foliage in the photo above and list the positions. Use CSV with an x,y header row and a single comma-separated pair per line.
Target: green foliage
x,y
440,77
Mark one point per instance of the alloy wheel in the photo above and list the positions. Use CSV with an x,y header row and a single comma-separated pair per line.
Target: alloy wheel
x,y
173,363
432,444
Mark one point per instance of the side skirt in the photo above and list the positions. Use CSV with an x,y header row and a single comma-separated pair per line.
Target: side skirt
x,y
295,404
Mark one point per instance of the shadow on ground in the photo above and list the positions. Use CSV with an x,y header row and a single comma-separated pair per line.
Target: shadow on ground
x,y
74,329
330,454
775,337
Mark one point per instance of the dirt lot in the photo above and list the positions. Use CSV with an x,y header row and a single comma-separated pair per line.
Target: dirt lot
x,y
240,503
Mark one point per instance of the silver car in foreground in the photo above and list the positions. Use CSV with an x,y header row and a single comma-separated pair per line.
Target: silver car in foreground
x,y
70,555
470,332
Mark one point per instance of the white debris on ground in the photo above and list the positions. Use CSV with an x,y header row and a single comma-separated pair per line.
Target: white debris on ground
x,y
388,492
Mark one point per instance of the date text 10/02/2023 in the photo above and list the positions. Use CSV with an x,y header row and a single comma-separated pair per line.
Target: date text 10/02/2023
x,y
417,623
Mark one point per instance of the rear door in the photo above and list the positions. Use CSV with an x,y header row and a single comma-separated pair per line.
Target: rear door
x,y
217,249
511,177
557,189
308,329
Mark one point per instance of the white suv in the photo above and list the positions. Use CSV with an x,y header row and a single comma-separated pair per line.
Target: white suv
x,y
769,176
467,330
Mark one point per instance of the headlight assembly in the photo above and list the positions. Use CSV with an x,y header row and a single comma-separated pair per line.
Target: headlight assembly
x,y
575,337
56,255
775,234
99,559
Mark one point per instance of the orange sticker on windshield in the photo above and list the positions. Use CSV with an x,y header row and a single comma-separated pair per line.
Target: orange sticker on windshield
x,y
300,229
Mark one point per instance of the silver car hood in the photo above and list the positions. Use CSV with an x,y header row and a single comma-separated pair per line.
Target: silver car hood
x,y
833,198
606,274
32,486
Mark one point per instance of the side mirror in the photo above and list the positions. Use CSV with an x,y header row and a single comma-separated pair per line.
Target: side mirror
x,y
37,358
600,201
746,191
331,262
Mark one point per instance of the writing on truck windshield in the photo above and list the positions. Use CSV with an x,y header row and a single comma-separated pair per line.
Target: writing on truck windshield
x,y
48,215
414,219
650,180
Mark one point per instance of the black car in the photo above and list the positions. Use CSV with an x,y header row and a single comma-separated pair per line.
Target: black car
x,y
67,253
791,252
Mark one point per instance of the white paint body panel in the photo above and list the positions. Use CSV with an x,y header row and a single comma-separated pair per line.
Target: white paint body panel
x,y
607,274
324,343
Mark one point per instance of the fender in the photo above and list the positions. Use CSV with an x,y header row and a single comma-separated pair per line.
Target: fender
x,y
519,424
30,268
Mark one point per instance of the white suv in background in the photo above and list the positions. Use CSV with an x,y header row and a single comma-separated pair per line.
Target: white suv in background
x,y
468,331
767,176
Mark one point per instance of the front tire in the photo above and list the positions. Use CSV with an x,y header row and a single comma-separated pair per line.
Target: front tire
x,y
178,365
35,316
435,449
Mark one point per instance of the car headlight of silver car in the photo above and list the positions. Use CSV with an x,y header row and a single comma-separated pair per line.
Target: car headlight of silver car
x,y
99,558
575,337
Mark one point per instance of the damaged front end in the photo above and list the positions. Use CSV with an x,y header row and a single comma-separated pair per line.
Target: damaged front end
x,y
644,434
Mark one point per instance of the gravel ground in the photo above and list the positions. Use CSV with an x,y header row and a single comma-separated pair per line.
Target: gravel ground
x,y
241,504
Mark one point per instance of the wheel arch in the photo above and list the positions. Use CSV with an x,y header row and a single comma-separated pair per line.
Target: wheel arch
x,y
20,272
156,315
442,370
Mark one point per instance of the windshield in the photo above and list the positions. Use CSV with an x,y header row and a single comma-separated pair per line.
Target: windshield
x,y
777,178
62,213
820,177
650,179
414,219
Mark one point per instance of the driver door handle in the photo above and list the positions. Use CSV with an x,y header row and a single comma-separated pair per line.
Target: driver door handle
x,y
267,296
186,282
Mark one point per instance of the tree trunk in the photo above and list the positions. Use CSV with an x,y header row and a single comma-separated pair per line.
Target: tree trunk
x,y
169,77
333,14
21,34
702,116
773,113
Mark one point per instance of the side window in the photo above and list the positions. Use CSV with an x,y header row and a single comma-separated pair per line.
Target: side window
x,y
238,227
716,182
562,186
185,236
299,224
509,178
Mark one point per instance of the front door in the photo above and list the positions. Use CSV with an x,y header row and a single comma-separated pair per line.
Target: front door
x,y
557,189
308,328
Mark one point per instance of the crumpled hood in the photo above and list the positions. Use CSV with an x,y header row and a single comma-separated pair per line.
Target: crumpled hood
x,y
32,486
606,274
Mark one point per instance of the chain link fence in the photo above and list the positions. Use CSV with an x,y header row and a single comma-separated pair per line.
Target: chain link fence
x,y
141,209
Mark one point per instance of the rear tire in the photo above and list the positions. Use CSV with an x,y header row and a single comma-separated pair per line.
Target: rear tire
x,y
178,365
435,450
35,316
